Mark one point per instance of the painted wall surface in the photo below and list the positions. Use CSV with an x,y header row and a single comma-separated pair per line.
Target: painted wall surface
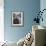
x,y
43,6
29,7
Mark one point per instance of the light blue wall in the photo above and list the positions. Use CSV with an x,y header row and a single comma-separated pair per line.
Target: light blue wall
x,y
29,7
43,6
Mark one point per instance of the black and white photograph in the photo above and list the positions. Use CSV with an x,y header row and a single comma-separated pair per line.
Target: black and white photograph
x,y
17,18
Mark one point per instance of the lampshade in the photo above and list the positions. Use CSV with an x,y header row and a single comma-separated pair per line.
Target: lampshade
x,y
1,3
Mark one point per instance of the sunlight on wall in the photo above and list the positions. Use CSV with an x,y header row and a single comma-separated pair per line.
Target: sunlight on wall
x,y
1,21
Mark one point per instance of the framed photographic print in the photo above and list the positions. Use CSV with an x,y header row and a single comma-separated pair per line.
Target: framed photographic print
x,y
17,18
